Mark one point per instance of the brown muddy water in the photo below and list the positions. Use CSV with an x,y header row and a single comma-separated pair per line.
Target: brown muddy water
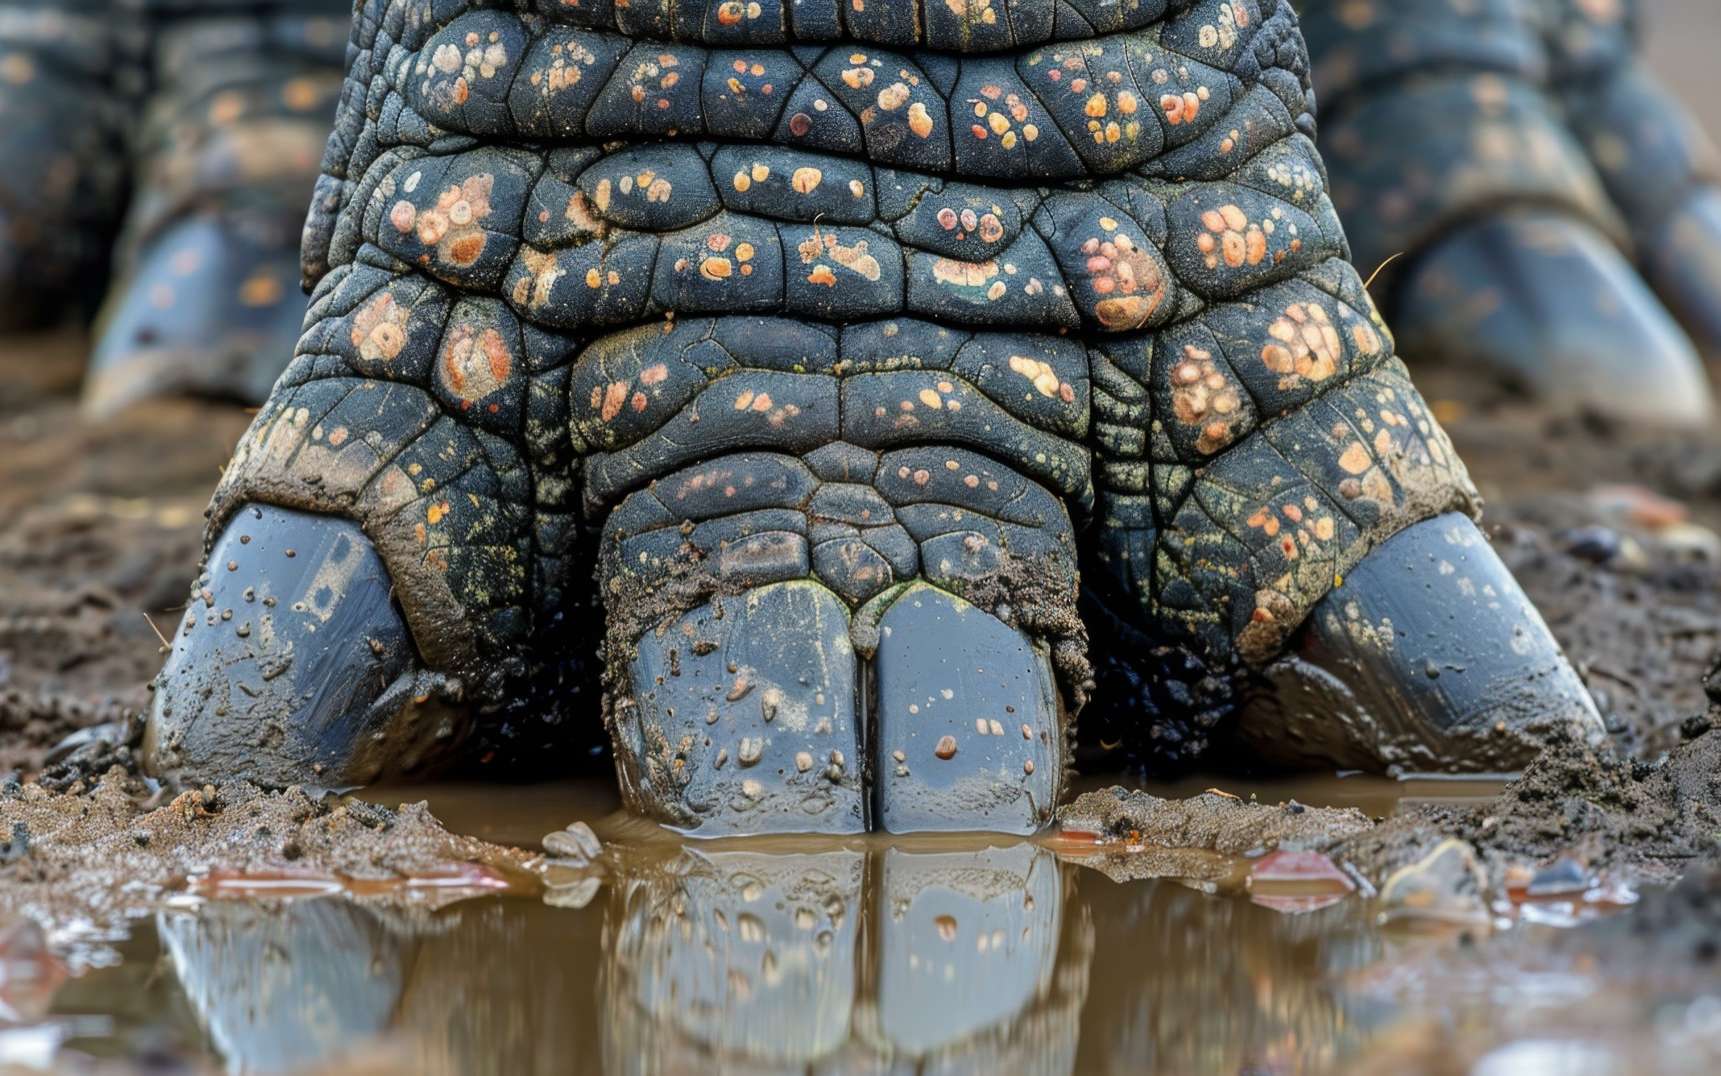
x,y
867,956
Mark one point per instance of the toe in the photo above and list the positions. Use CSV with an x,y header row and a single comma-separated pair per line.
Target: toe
x,y
1545,302
293,665
1429,658
206,311
969,727
741,717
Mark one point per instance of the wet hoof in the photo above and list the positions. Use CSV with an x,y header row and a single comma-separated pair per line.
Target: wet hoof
x,y
292,664
205,311
743,718
749,715
970,734
1682,262
1428,658
1546,303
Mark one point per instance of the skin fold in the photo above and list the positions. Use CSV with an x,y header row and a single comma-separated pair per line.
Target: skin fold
x,y
841,356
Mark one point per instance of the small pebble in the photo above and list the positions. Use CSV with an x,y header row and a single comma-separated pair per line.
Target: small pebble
x,y
946,747
1595,544
577,841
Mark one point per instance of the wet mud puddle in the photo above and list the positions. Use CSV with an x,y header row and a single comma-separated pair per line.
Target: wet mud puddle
x,y
933,955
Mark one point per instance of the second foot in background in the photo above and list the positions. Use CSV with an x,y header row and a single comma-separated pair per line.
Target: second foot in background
x,y
1534,194
170,209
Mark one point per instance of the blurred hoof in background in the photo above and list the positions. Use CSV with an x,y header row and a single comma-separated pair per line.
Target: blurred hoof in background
x,y
1504,161
1548,304
206,312
1658,166
207,302
64,75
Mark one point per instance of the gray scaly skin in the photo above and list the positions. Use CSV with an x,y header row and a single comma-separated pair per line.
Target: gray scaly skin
x,y
1505,162
843,345
207,117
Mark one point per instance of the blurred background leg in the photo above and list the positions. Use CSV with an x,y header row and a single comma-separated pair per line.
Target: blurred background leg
x,y
240,99
66,75
1455,169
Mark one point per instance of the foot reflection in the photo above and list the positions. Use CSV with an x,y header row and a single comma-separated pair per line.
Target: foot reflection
x,y
845,959
280,987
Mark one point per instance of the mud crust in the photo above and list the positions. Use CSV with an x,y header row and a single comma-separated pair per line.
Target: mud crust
x,y
111,849
1649,820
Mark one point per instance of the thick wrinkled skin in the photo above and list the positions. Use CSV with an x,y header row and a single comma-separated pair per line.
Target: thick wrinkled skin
x,y
1518,176
172,142
845,337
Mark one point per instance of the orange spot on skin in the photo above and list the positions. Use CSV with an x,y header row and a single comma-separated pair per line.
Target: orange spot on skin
x,y
1355,459
1203,396
475,362
379,329
919,120
1304,344
614,396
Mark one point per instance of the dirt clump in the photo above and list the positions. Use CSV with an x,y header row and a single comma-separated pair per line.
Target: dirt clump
x,y
1642,820
1632,590
85,860
1213,821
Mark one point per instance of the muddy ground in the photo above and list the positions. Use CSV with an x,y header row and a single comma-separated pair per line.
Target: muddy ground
x,y
1612,531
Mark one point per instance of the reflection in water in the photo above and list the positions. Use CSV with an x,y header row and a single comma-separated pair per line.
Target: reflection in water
x,y
281,986
1195,983
846,962
845,959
